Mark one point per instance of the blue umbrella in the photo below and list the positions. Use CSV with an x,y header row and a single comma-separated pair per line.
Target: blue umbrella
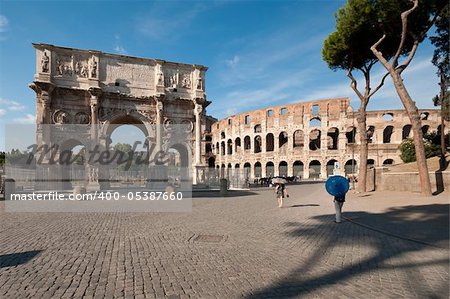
x,y
337,185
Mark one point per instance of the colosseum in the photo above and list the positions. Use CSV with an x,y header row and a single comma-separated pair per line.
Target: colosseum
x,y
308,139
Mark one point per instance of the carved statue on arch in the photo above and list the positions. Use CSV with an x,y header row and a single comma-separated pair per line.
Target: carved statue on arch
x,y
45,62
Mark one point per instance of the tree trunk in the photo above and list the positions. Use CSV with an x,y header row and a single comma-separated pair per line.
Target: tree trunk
x,y
363,150
414,117
442,95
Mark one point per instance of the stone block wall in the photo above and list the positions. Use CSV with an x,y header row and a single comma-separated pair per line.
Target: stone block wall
x,y
381,179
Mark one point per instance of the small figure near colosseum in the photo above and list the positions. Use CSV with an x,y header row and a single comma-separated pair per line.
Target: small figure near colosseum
x,y
338,187
280,190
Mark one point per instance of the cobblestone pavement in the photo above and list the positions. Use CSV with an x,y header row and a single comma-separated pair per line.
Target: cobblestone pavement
x,y
235,247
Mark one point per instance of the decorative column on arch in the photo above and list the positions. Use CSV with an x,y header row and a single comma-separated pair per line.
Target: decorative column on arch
x,y
43,132
96,173
198,109
159,121
94,104
43,94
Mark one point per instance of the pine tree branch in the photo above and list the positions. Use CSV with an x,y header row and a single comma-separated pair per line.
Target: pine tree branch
x,y
379,85
404,17
354,84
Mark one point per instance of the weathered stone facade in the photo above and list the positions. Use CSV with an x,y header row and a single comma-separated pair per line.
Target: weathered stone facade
x,y
88,87
309,139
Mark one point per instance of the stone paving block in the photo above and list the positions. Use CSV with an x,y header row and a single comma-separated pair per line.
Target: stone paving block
x,y
268,253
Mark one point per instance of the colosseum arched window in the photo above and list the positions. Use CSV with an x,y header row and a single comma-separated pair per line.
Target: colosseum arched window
x,y
330,166
282,139
425,129
314,140
229,147
388,116
314,169
315,122
350,166
370,134
237,144
370,163
217,148
298,168
299,138
282,169
257,144
388,162
247,169
222,135
333,138
351,135
424,115
406,131
247,145
270,169
387,134
257,169
257,128
222,148
315,109
270,143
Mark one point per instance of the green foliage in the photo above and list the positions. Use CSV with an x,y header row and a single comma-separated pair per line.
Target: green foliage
x,y
16,157
2,158
408,151
348,47
129,157
361,23
123,147
441,41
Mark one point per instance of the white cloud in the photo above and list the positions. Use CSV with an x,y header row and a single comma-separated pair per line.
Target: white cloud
x,y
165,20
284,87
12,105
261,57
27,119
233,62
2,112
118,47
3,23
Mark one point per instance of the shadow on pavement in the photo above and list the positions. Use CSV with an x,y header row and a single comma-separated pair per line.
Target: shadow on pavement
x,y
306,205
427,223
15,259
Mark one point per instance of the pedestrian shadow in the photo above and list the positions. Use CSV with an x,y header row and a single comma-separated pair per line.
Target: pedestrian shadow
x,y
430,221
306,205
19,258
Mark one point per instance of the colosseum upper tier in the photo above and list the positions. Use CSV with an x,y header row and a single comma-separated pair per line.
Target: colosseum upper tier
x,y
309,139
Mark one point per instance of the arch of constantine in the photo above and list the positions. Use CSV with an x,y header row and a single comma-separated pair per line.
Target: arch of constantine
x,y
309,139
97,92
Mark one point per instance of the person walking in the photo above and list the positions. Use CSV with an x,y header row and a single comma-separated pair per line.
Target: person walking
x,y
337,186
281,191
338,203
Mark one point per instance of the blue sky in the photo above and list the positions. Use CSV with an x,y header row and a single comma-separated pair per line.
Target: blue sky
x,y
259,53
